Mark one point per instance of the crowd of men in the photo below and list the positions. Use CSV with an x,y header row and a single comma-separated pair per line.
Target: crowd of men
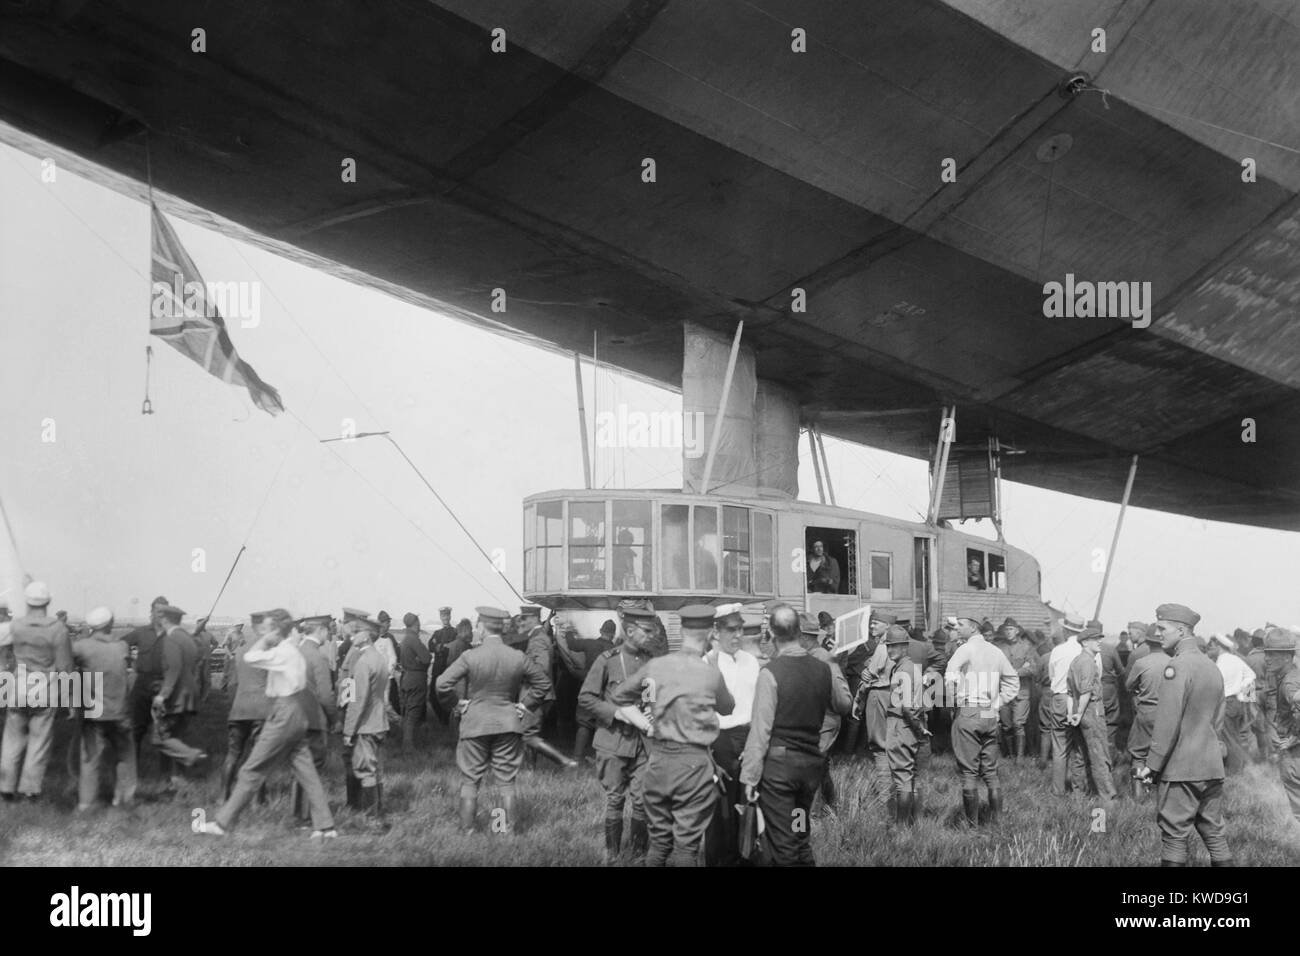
x,y
693,746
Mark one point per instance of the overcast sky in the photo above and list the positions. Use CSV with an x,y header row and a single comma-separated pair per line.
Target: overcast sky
x,y
112,510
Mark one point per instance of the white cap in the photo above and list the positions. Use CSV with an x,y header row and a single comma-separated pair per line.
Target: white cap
x,y
99,617
1224,641
722,610
37,594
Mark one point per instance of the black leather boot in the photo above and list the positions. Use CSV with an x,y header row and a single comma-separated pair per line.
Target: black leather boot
x,y
468,809
903,815
508,805
581,743
613,839
970,804
995,804
638,838
540,746
1018,746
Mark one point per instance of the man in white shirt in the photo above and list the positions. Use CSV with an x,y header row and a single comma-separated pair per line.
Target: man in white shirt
x,y
740,673
1239,700
284,734
1065,754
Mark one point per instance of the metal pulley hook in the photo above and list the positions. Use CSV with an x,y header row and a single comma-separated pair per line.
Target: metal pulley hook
x,y
147,407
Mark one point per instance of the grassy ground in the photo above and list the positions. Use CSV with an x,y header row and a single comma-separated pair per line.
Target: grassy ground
x,y
560,821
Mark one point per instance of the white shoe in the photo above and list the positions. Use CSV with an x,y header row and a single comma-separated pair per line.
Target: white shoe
x,y
329,834
212,829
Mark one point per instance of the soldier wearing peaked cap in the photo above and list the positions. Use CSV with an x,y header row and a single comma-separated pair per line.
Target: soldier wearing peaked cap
x,y
1184,756
362,694
906,728
1282,710
501,685
621,749
1011,639
685,695
539,647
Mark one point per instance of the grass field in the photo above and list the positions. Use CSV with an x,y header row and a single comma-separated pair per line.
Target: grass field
x,y
560,821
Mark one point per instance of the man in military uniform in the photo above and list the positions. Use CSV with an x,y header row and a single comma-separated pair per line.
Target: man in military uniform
x,y
40,646
579,655
981,681
106,741
1145,675
782,765
685,695
1087,714
872,699
1043,677
620,747
283,735
539,646
491,714
315,631
248,709
1256,657
1184,755
1114,698
1283,679
413,658
365,720
906,729
1011,639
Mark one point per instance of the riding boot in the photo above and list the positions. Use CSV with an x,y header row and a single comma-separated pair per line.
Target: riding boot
x,y
468,809
508,806
970,803
903,816
1018,746
995,804
581,743
613,839
1044,749
540,746
353,787
638,839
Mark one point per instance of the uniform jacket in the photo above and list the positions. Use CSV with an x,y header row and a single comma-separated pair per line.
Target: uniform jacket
x,y
494,678
1024,658
179,691
685,693
1084,678
1189,718
102,654
365,712
319,685
40,643
539,652
1283,708
414,659
248,683
612,737
1145,675
148,656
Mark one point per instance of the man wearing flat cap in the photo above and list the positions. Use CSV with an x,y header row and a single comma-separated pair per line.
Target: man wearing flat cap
x,y
1145,675
40,646
1087,715
501,683
685,695
1184,757
621,750
177,699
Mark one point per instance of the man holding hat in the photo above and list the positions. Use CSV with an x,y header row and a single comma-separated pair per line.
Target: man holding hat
x,y
538,648
685,695
1184,755
906,728
1283,711
106,741
1087,714
981,681
249,706
1066,757
40,646
492,712
782,766
739,671
414,659
1145,675
365,720
621,750
284,734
